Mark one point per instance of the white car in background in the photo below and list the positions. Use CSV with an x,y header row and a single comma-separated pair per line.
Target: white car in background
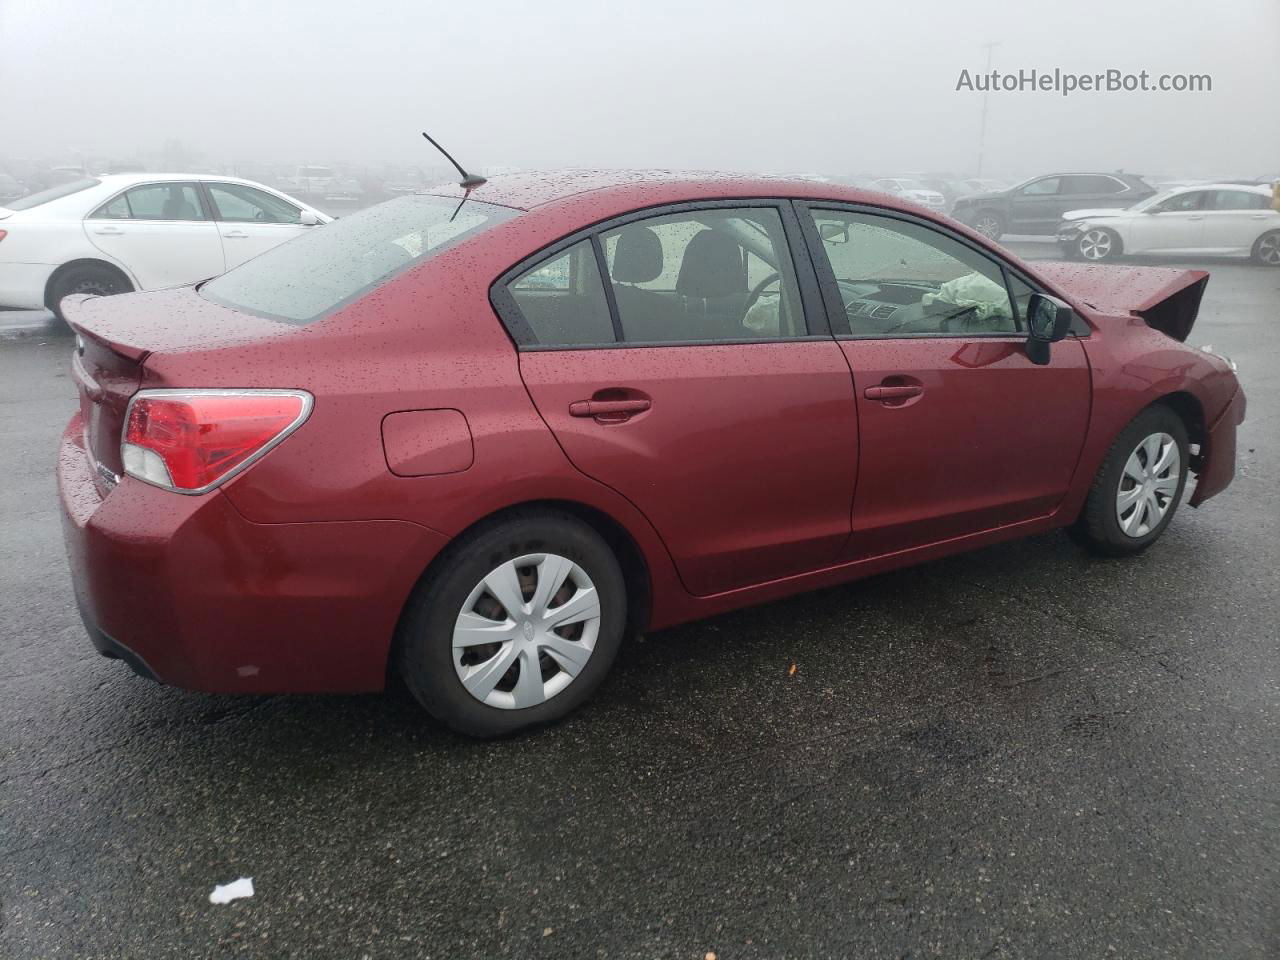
x,y
1216,219
137,231
913,190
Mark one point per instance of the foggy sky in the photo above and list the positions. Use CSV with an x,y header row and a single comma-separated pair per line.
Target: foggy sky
x,y
785,86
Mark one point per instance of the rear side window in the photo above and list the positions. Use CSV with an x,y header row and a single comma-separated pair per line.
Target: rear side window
x,y
330,266
154,201
563,300
1240,200
1093,183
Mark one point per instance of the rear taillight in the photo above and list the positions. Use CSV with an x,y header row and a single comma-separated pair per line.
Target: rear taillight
x,y
189,441
3,234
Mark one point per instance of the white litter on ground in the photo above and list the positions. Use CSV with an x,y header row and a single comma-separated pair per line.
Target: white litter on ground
x,y
232,891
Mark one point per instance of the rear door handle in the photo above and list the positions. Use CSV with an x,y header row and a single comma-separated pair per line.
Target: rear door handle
x,y
108,231
608,408
893,393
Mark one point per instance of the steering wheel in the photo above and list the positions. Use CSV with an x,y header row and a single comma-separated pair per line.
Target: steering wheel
x,y
757,290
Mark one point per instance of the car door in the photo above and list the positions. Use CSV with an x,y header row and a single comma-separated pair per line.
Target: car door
x,y
1175,225
1035,207
1234,219
699,381
959,432
161,232
251,221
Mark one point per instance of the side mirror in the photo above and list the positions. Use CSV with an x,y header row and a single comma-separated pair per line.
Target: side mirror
x,y
308,219
1048,321
833,232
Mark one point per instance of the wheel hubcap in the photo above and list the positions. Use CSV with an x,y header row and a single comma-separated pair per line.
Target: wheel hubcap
x,y
988,227
1095,245
1148,485
526,631
1269,250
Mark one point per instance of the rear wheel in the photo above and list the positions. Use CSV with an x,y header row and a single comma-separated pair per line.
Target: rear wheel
x,y
1098,244
517,627
1138,488
1267,249
97,280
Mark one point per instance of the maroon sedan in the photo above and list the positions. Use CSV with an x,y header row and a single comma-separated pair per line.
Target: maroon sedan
x,y
478,438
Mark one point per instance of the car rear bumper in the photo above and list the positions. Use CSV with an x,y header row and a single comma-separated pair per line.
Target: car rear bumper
x,y
1218,453
188,592
22,285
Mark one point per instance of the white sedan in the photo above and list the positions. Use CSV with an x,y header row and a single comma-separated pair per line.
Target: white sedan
x,y
1216,219
137,231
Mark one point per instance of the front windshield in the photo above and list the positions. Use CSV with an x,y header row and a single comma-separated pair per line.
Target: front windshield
x,y
333,264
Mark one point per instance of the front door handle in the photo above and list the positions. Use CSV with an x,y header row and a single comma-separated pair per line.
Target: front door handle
x,y
235,234
1199,217
893,393
609,408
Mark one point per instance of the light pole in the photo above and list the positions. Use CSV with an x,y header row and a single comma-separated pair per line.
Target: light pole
x,y
986,95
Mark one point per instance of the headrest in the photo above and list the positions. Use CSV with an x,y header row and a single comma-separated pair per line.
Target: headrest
x,y
638,256
712,267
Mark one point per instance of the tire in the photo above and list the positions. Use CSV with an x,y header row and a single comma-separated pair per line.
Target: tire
x,y
97,279
990,224
1110,529
1266,249
1098,244
571,661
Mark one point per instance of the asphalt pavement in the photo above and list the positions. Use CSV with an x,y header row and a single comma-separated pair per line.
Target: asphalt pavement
x,y
1021,752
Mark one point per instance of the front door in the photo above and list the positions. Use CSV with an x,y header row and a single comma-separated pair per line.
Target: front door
x,y
702,397
958,431
1175,224
251,221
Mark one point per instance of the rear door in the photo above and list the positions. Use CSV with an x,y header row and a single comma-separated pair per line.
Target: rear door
x,y
699,381
959,431
251,221
1235,219
161,232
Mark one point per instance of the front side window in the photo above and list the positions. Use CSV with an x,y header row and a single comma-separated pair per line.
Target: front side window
x,y
154,201
1182,202
704,275
898,278
563,300
240,204
1240,200
309,276
1042,188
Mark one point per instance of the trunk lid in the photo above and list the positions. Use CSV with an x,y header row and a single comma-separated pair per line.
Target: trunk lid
x,y
1167,299
117,337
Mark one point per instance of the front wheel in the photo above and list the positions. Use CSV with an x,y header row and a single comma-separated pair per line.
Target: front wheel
x,y
1098,244
1138,488
517,627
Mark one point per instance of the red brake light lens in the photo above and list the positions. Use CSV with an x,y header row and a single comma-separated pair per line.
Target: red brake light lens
x,y
3,234
192,440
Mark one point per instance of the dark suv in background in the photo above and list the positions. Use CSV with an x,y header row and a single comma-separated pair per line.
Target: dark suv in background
x,y
1036,206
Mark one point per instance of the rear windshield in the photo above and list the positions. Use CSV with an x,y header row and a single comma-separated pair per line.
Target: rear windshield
x,y
331,265
53,193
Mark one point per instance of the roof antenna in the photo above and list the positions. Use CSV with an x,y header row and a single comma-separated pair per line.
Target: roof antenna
x,y
469,180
